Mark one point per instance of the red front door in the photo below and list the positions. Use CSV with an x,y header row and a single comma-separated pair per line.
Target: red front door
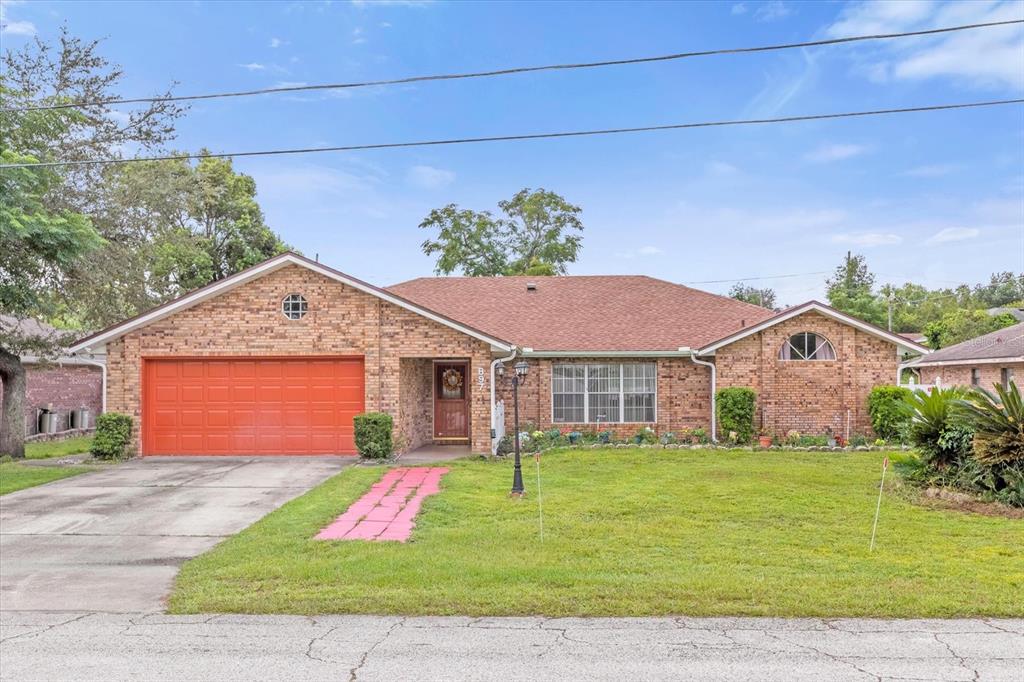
x,y
451,401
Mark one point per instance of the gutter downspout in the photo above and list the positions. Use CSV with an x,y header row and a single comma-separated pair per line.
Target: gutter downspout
x,y
103,380
494,366
714,431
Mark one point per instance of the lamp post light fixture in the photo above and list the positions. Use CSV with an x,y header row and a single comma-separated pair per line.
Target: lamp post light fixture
x,y
522,368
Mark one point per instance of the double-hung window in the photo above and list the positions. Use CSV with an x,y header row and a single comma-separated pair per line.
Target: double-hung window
x,y
604,393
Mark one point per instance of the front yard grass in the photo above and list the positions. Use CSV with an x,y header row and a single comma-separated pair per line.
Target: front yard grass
x,y
628,533
58,448
15,476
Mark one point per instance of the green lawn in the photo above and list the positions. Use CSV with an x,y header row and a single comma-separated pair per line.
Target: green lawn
x,y
58,448
628,532
19,476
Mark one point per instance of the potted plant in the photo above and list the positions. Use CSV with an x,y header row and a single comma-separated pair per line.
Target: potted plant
x,y
764,439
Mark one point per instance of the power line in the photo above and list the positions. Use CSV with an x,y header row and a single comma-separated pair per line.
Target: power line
x,y
510,138
751,279
513,70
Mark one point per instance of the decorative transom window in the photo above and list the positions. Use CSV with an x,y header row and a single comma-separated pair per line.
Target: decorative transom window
x,y
294,306
604,394
807,346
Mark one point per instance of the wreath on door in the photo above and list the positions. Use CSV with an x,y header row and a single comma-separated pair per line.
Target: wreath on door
x,y
451,379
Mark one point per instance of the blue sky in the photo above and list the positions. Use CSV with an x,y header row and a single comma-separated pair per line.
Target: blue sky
x,y
935,198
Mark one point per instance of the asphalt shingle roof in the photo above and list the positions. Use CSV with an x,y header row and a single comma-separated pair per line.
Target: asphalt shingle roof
x,y
1004,343
585,313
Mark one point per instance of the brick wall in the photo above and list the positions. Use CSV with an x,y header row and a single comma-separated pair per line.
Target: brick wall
x,y
809,396
416,378
66,387
683,396
340,321
960,375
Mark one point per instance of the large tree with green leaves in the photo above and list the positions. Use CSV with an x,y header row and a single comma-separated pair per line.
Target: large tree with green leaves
x,y
39,246
961,324
537,234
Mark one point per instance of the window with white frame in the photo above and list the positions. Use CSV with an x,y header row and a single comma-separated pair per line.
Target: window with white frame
x,y
294,306
807,346
604,393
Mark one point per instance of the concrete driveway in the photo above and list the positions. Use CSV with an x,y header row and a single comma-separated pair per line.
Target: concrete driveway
x,y
113,540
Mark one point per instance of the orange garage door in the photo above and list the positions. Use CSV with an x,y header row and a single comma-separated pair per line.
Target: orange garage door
x,y
301,406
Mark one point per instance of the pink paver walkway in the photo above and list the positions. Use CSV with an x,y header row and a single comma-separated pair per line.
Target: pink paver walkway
x,y
388,511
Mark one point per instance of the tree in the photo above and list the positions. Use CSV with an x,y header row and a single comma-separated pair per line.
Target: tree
x,y
37,249
536,236
960,325
183,225
1004,288
763,297
850,290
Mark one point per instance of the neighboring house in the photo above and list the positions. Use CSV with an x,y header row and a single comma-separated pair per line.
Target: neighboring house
x,y
1016,313
916,337
277,359
994,358
62,384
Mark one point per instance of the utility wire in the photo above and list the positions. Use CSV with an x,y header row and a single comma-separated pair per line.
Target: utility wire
x,y
509,138
513,70
751,279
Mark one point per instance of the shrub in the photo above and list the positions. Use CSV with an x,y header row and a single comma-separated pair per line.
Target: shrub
x,y
645,436
887,408
736,412
113,434
373,434
996,420
940,438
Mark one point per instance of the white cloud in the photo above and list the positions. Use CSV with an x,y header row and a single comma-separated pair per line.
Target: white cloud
x,y
252,66
867,239
649,251
277,42
953,234
834,152
429,177
721,168
934,170
985,58
14,28
772,11
738,8
384,24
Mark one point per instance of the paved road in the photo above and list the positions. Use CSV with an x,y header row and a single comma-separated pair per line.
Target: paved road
x,y
97,646
113,540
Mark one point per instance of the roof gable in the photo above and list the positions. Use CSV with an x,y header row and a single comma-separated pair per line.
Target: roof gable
x,y
266,267
827,311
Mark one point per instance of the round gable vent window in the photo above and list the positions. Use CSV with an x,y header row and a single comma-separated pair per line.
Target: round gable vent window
x,y
294,306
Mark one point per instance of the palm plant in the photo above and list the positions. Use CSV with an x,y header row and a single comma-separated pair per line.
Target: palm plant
x,y
932,427
998,423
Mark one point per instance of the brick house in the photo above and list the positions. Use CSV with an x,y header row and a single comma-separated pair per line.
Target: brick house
x,y
63,384
994,358
277,359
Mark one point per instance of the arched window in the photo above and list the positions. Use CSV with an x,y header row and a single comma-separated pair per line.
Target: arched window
x,y
807,346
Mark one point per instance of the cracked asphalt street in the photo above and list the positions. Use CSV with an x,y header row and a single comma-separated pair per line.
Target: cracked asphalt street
x,y
38,645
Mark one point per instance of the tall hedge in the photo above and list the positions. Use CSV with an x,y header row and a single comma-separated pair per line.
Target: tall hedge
x,y
373,435
735,408
887,406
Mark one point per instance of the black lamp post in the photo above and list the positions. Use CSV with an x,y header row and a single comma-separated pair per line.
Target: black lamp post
x,y
517,476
